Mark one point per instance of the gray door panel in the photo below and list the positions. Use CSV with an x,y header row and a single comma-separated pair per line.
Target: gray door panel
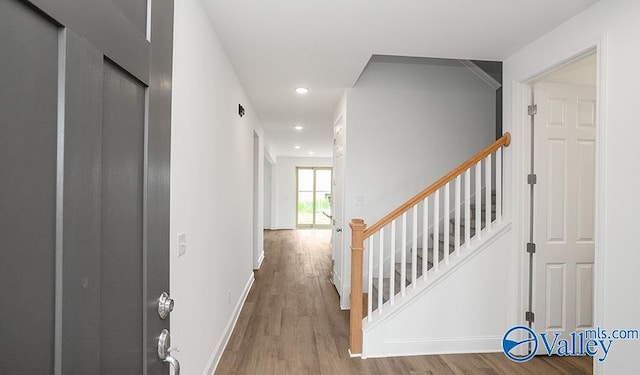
x,y
121,244
135,11
104,25
81,221
28,139
84,185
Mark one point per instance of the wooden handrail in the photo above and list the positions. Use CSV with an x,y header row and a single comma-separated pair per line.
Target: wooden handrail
x,y
505,140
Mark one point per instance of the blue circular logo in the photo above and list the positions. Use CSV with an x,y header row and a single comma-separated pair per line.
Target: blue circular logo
x,y
511,341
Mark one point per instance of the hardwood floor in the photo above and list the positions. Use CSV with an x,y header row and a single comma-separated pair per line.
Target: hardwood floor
x,y
291,324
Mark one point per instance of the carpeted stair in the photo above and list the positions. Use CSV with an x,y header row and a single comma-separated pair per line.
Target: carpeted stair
x,y
420,253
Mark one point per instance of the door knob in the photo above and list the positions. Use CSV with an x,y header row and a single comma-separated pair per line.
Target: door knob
x,y
164,349
338,230
165,305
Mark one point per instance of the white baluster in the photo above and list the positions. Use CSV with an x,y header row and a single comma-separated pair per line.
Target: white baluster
x,y
478,200
414,247
381,271
370,272
425,236
436,231
487,189
403,256
499,185
456,228
392,264
467,207
446,224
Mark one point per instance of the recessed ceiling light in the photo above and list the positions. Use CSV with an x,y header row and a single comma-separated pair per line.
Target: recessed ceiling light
x,y
296,147
302,90
310,152
298,127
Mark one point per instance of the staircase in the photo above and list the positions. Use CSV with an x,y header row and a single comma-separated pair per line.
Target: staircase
x,y
420,253
464,208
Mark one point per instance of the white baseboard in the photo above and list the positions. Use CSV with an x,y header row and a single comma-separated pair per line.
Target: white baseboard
x,y
260,259
436,346
345,303
226,335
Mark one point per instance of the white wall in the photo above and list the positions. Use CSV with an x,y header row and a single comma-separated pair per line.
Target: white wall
x,y
285,188
211,191
615,24
408,123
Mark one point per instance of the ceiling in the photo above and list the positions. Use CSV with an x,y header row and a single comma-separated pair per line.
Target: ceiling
x,y
278,45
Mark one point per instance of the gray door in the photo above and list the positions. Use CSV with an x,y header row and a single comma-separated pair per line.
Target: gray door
x,y
85,97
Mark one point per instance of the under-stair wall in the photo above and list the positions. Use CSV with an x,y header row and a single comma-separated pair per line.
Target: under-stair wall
x,y
466,311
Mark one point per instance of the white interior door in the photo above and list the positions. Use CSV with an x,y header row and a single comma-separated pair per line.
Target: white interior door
x,y
337,208
565,133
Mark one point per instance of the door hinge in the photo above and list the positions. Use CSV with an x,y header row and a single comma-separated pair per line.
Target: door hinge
x,y
532,179
531,248
529,316
532,110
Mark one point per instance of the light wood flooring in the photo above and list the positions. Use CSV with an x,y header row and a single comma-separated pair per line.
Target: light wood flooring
x,y
291,324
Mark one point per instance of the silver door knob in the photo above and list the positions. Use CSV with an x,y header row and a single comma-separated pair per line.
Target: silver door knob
x,y
338,230
164,348
165,305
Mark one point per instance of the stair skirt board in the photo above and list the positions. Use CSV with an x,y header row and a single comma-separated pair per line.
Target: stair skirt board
x,y
433,279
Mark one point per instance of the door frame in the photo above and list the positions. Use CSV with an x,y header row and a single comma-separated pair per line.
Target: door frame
x,y
521,97
258,199
313,226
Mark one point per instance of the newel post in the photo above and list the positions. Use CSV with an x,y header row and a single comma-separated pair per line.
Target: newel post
x,y
355,316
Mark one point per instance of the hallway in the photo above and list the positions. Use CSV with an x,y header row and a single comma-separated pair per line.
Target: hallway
x,y
291,324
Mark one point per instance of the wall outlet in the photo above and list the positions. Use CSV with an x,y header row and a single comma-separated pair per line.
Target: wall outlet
x,y
228,296
182,244
359,200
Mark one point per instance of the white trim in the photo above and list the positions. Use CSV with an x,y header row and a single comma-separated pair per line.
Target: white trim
x,y
454,345
214,360
354,355
521,97
260,260
601,191
282,228
475,69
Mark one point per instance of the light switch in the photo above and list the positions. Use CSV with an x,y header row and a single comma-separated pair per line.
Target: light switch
x,y
359,200
182,244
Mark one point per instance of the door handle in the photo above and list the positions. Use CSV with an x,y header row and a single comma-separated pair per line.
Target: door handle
x,y
165,305
164,348
338,230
